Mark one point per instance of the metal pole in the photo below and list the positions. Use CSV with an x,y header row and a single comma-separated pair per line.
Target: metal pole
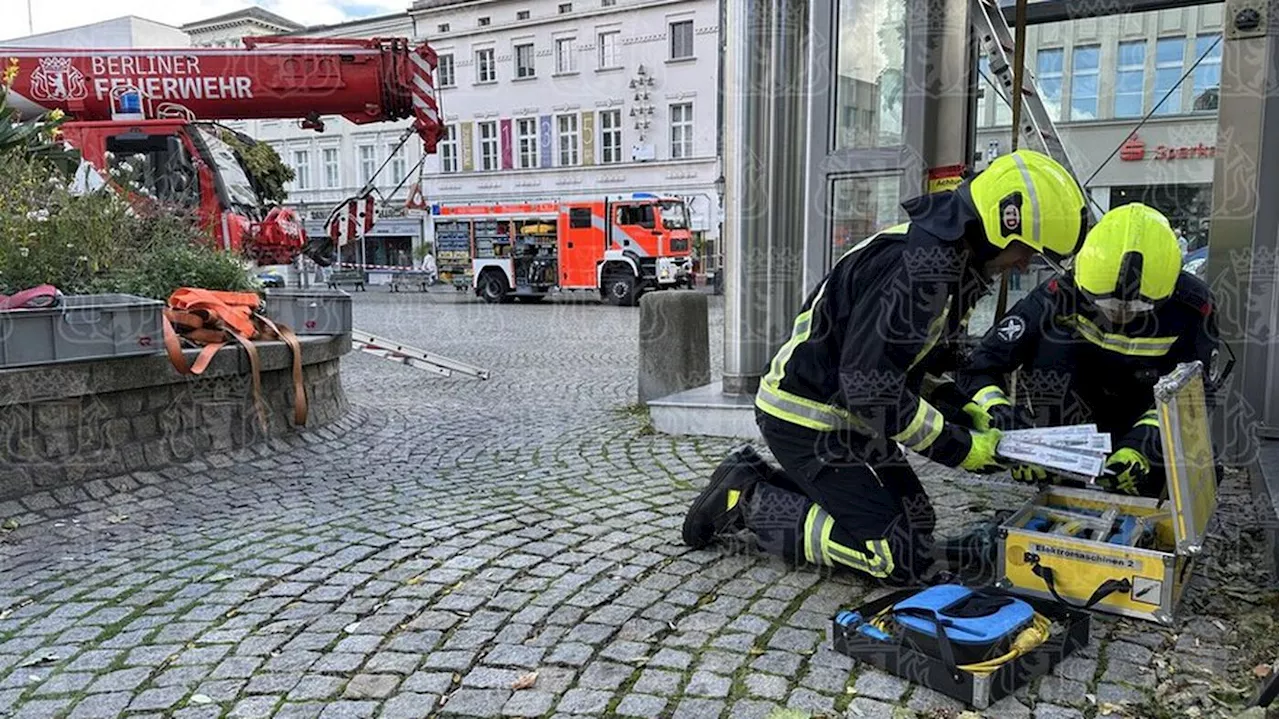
x,y
748,60
1242,264
786,200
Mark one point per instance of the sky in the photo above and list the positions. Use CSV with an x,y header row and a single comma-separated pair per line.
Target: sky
x,y
48,16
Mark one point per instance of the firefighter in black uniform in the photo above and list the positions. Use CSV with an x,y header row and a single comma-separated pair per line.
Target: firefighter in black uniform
x,y
848,386
1090,346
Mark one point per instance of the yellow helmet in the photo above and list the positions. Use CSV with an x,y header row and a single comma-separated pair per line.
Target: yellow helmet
x,y
1028,197
1130,261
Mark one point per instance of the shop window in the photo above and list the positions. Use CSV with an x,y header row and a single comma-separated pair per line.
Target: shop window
x,y
860,207
1169,70
869,80
1049,76
1084,82
1131,66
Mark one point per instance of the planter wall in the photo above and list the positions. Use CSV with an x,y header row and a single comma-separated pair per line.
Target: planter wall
x,y
69,423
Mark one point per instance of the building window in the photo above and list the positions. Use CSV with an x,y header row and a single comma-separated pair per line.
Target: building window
x,y
444,27
608,3
1131,66
524,60
527,142
609,50
486,68
610,136
449,150
1208,74
682,131
566,55
368,162
522,15
397,164
566,7
1084,82
330,158
1168,72
302,169
444,66
567,137
1049,75
488,146
483,22
681,34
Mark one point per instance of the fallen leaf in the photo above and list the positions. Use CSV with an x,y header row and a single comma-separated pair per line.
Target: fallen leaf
x,y
755,651
525,681
351,627
200,699
118,518
1262,670
9,525
221,577
412,581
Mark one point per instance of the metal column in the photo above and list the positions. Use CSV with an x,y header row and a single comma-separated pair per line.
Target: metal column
x,y
1243,229
765,102
951,57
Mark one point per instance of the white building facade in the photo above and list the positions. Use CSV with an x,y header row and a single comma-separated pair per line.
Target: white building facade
x,y
543,100
547,99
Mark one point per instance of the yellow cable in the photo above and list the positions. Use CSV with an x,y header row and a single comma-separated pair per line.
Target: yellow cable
x,y
1027,640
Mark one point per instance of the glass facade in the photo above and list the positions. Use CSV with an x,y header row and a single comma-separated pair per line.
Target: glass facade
x,y
870,54
861,206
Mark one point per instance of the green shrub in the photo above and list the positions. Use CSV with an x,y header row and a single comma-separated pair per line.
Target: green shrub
x,y
99,241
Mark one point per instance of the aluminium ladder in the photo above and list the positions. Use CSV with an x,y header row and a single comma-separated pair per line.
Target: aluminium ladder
x,y
412,356
1037,130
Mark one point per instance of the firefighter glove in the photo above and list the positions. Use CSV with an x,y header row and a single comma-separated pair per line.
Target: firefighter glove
x,y
982,458
978,417
1131,469
1029,473
1005,417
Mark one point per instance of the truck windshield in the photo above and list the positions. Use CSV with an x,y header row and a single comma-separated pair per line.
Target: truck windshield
x,y
240,191
675,216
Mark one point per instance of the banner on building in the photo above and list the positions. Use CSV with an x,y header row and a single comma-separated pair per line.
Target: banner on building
x,y
468,150
545,140
505,135
588,138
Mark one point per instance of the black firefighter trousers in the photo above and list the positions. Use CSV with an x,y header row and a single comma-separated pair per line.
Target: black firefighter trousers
x,y
839,502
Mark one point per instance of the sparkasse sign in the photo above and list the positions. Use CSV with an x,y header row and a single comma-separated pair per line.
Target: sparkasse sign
x,y
1134,149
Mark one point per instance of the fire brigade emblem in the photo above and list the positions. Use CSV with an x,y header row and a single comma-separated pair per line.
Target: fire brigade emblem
x,y
1011,328
57,79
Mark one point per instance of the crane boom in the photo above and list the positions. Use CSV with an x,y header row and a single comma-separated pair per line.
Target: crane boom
x,y
362,80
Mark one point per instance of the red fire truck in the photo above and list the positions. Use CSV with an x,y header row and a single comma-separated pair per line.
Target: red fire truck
x,y
155,108
618,246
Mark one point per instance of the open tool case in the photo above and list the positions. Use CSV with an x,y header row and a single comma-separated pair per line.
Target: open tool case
x,y
913,650
1138,565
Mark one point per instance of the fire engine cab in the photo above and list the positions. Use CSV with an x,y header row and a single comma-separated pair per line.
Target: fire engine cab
x,y
618,246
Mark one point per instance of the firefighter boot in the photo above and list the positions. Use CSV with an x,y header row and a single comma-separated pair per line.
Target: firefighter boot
x,y
972,554
718,509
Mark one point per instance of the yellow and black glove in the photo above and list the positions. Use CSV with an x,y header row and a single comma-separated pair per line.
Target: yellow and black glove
x,y
1131,469
982,457
1029,473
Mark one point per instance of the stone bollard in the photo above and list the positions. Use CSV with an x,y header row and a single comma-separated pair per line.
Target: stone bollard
x,y
675,350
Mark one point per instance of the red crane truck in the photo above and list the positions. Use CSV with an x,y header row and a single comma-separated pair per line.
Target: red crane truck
x,y
160,105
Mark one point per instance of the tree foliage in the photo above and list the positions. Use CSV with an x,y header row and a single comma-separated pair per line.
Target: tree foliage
x,y
266,170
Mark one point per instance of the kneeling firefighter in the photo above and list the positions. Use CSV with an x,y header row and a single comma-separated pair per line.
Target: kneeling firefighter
x,y
1090,346
846,389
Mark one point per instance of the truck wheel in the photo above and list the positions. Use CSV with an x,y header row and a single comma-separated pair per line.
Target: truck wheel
x,y
493,288
620,289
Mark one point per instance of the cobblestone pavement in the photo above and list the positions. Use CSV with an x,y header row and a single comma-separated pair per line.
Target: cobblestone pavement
x,y
451,538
